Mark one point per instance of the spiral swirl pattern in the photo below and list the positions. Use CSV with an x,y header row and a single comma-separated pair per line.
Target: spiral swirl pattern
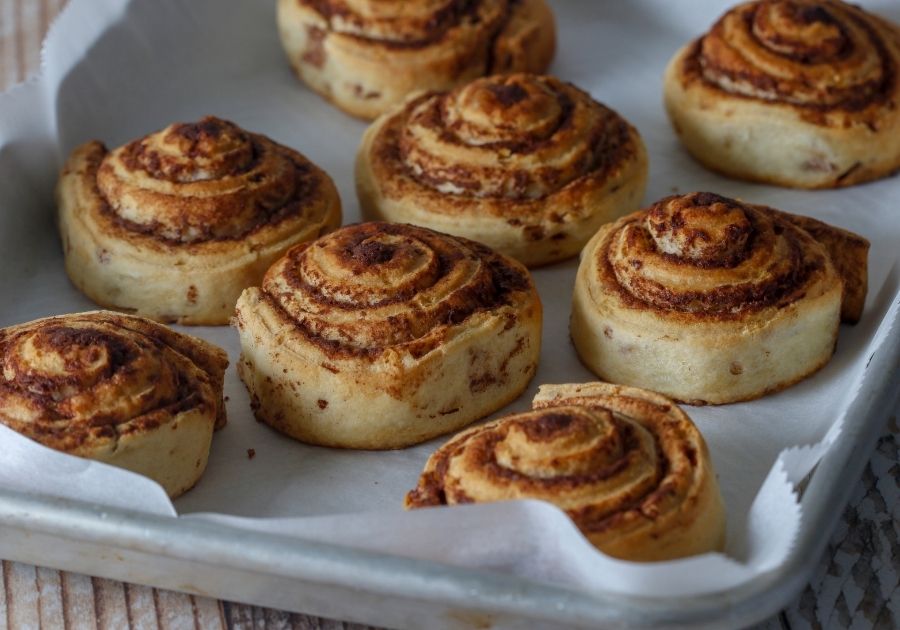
x,y
710,256
410,284
528,164
799,93
89,383
367,56
816,53
210,180
195,213
513,137
412,24
628,466
416,333
711,300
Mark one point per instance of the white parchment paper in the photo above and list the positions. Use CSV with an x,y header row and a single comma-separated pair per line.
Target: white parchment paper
x,y
115,70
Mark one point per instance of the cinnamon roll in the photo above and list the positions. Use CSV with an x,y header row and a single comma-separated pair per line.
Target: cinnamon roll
x,y
801,93
384,335
366,56
173,226
529,165
627,465
710,300
115,388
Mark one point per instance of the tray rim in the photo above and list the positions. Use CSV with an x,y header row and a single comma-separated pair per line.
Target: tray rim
x,y
407,578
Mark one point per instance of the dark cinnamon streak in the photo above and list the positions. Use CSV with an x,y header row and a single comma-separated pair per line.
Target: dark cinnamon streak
x,y
139,156
508,94
208,128
861,97
437,118
609,141
481,446
835,48
547,425
307,186
373,253
490,288
484,453
729,300
423,33
57,425
677,223
39,386
645,506
315,48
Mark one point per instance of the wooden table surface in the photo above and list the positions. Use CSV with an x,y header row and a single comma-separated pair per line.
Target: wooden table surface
x,y
857,582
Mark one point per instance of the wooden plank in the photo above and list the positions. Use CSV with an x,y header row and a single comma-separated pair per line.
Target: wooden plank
x,y
208,612
175,611
140,604
49,586
20,584
79,612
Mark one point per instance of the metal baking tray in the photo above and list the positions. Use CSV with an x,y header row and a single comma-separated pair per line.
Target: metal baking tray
x,y
330,581
219,560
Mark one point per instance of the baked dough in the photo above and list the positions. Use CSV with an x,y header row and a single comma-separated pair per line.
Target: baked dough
x,y
527,164
710,300
173,226
802,93
384,335
366,56
627,465
115,388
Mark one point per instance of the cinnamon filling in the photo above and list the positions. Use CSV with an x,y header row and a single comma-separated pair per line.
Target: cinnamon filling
x,y
708,255
519,137
404,25
816,54
204,181
371,286
62,382
607,471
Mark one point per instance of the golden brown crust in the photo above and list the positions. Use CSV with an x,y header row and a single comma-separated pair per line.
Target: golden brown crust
x,y
628,466
813,84
84,383
706,256
208,181
404,24
206,196
367,56
849,252
413,285
828,57
712,300
416,333
527,164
